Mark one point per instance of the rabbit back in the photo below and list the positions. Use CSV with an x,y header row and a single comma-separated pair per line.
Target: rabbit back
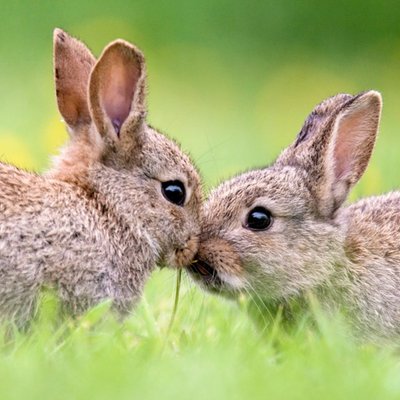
x,y
371,282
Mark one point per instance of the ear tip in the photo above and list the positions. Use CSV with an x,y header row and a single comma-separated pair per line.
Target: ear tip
x,y
118,43
374,96
59,35
369,100
123,45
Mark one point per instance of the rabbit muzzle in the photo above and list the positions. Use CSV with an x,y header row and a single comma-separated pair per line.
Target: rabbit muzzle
x,y
184,254
217,267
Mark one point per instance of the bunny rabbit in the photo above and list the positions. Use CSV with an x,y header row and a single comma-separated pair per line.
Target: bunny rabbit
x,y
282,231
119,199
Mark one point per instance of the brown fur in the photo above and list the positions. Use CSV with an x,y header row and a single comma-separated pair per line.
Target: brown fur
x,y
97,223
73,63
349,256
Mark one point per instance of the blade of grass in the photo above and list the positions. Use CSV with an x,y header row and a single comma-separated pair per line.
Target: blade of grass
x,y
176,301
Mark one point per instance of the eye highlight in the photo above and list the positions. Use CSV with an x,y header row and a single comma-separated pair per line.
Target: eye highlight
x,y
259,219
174,191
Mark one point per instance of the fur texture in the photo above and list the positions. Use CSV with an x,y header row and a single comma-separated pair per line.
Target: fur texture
x,y
97,223
348,256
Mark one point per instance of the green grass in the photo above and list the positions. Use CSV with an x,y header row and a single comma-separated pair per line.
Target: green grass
x,y
215,350
233,82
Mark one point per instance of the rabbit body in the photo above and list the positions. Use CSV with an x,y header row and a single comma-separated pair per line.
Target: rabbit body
x,y
95,225
371,282
280,232
88,252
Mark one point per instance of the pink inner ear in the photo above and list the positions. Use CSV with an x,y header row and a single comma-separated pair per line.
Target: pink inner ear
x,y
119,89
354,131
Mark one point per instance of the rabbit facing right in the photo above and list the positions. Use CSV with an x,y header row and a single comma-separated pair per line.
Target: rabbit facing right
x,y
119,199
283,231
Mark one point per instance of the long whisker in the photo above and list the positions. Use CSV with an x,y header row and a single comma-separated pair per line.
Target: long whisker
x,y
189,297
210,151
259,310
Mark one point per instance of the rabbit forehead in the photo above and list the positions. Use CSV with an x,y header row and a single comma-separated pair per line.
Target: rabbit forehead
x,y
162,158
281,189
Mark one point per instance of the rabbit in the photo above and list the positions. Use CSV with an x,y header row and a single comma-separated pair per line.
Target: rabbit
x,y
281,232
120,199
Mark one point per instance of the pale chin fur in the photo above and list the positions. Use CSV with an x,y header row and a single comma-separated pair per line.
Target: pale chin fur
x,y
232,283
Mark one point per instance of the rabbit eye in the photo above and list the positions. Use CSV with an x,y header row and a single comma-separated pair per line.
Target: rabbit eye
x,y
174,191
259,219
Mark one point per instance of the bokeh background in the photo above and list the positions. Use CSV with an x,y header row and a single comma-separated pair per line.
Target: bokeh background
x,y
233,82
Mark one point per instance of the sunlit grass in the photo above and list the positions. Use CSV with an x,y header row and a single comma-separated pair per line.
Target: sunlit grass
x,y
214,350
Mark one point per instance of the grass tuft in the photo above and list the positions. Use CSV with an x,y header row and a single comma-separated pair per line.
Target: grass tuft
x,y
213,349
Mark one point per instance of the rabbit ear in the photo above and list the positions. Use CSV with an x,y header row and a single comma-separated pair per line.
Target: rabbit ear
x,y
116,91
335,146
73,63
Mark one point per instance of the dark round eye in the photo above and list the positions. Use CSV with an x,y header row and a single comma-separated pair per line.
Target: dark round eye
x,y
259,219
174,191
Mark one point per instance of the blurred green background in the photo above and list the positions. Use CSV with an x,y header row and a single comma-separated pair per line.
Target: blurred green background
x,y
232,81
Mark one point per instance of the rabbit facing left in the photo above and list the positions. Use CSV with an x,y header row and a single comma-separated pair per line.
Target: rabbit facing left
x,y
119,199
283,231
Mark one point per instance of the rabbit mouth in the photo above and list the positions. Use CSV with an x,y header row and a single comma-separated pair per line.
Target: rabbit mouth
x,y
205,273
213,281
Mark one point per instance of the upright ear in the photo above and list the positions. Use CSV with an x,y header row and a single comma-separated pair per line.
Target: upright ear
x,y
73,63
335,146
117,91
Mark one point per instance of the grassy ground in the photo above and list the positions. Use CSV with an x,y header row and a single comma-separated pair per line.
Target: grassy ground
x,y
214,351
233,82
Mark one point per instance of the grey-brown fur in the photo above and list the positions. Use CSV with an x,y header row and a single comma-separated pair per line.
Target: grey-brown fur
x,y
348,256
96,224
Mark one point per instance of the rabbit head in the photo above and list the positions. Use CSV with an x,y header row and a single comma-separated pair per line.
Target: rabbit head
x,y
275,230
113,154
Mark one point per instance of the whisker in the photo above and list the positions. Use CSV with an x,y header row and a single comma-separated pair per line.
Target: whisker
x,y
210,150
249,291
